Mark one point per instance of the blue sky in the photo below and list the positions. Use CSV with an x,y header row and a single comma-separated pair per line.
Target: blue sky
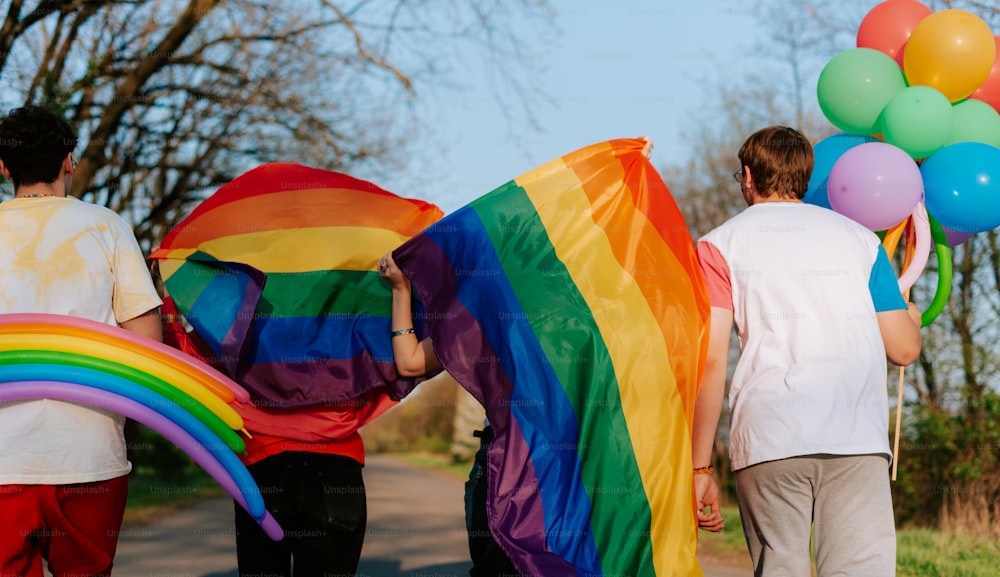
x,y
612,70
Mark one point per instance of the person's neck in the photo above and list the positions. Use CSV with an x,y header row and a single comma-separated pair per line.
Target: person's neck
x,y
39,190
776,198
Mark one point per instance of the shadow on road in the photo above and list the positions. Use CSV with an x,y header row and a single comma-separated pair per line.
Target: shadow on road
x,y
382,568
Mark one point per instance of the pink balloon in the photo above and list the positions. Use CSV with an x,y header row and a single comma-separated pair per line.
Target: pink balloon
x,y
876,184
888,25
989,90
78,393
922,230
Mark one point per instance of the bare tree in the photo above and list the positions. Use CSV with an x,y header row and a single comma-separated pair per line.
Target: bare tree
x,y
175,97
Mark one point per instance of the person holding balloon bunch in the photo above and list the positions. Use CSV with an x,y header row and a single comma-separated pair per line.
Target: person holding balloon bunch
x,y
818,312
63,466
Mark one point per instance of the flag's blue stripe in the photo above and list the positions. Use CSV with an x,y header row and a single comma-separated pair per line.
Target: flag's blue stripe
x,y
211,316
303,339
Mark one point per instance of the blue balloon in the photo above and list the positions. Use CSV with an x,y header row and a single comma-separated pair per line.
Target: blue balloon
x,y
826,153
157,403
962,186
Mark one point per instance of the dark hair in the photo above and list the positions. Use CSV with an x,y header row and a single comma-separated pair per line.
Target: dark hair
x,y
780,159
34,142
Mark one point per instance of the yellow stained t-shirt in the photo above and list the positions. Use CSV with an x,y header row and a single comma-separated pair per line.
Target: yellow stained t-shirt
x,y
65,256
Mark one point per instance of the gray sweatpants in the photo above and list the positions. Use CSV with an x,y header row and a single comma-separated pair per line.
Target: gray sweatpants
x,y
845,499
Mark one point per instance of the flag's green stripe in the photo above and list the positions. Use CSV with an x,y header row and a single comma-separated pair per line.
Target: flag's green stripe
x,y
328,292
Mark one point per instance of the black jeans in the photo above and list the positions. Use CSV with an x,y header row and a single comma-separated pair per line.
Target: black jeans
x,y
319,501
488,559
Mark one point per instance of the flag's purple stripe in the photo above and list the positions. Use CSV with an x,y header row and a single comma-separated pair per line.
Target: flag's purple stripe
x,y
294,384
509,446
537,400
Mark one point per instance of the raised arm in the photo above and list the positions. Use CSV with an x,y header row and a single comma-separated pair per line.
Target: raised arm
x,y
413,358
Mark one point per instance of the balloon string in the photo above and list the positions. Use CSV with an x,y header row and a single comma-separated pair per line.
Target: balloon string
x,y
909,251
899,410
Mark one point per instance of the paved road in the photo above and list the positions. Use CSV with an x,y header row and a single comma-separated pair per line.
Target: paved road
x,y
416,528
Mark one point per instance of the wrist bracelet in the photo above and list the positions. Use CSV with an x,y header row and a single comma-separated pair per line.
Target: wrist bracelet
x,y
402,332
704,470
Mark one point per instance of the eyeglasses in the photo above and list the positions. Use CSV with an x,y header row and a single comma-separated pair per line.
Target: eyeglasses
x,y
738,176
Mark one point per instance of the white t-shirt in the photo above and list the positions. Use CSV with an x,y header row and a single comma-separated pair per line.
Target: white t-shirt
x,y
811,377
64,256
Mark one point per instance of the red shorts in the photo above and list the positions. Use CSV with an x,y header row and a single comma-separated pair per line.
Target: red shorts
x,y
75,527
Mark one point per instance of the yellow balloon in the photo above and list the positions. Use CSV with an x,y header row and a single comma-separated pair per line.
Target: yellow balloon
x,y
950,50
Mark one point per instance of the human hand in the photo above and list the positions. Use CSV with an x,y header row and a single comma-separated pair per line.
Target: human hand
x,y
388,270
706,492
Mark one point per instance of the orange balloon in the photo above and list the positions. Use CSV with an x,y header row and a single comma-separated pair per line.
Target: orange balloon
x,y
888,25
989,90
952,51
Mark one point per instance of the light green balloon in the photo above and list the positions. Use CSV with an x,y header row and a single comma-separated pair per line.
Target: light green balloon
x,y
854,87
919,120
975,121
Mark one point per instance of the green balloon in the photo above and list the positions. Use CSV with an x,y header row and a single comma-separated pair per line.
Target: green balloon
x,y
975,121
854,87
943,292
918,119
140,378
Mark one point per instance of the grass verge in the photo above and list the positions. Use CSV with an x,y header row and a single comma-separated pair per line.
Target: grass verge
x,y
929,553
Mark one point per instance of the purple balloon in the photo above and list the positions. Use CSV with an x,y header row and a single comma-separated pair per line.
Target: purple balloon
x,y
75,393
955,237
876,184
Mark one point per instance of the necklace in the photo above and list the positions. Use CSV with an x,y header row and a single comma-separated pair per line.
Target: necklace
x,y
37,195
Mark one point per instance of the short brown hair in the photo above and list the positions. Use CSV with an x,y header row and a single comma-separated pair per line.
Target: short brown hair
x,y
780,159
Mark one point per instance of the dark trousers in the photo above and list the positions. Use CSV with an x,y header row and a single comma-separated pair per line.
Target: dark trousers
x,y
488,559
319,501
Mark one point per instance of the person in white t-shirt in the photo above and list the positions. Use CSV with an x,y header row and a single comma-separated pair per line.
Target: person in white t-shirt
x,y
63,466
817,311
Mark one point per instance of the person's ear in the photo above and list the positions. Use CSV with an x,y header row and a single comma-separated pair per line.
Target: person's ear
x,y
3,169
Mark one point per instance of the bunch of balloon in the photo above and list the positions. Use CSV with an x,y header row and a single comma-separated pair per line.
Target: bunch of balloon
x,y
72,359
918,101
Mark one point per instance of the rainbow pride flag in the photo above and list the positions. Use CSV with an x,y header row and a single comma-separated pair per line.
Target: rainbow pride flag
x,y
569,301
276,274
